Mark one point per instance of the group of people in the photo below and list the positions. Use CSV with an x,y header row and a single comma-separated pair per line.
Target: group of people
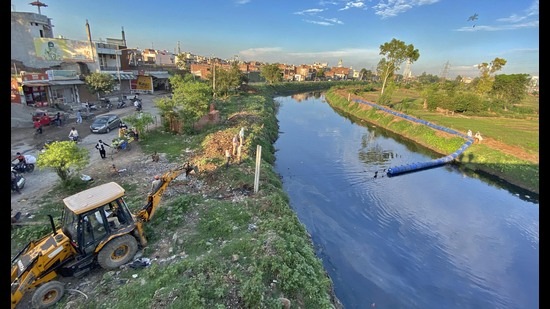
x,y
477,137
237,143
123,131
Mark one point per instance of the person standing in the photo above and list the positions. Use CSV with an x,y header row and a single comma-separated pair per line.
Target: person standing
x,y
235,143
78,117
38,126
101,147
239,149
227,158
57,119
469,133
241,136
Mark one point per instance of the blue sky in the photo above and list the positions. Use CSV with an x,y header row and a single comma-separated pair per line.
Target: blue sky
x,y
304,31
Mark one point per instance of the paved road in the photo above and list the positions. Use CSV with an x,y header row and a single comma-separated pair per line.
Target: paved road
x,y
22,140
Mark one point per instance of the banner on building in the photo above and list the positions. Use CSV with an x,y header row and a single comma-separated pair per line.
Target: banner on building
x,y
142,83
50,49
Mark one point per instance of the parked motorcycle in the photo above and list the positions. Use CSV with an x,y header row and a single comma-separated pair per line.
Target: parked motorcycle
x,y
89,106
138,106
19,180
121,103
107,103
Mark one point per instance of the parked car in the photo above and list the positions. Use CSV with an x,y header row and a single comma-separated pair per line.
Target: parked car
x,y
105,123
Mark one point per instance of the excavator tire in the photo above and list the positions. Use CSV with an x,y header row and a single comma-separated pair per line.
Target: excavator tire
x,y
117,252
48,294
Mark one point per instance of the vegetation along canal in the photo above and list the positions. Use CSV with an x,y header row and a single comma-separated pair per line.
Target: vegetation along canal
x,y
436,238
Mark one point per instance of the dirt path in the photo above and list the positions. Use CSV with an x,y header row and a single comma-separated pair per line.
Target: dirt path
x,y
39,182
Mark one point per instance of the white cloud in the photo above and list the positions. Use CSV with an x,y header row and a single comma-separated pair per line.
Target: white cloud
x,y
261,51
391,8
353,5
242,1
531,24
309,12
533,10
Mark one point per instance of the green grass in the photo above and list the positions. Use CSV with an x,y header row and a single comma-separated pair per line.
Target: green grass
x,y
248,251
523,133
519,132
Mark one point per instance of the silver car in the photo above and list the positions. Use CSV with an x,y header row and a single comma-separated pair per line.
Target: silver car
x,y
105,123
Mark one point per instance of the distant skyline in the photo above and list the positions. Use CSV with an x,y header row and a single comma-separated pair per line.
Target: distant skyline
x,y
462,33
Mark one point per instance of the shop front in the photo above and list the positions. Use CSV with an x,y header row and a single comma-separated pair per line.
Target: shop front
x,y
35,89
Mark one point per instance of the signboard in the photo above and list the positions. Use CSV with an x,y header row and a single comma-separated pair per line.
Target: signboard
x,y
142,83
34,76
15,96
51,49
61,74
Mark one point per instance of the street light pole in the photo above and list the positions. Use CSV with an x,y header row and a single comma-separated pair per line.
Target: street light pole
x,y
118,70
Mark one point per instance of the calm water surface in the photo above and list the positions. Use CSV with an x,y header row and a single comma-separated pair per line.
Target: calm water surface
x,y
437,238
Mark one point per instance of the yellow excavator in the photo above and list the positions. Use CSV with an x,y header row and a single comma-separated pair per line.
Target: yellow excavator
x,y
97,228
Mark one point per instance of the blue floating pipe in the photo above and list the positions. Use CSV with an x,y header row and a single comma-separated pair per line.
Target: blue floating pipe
x,y
408,168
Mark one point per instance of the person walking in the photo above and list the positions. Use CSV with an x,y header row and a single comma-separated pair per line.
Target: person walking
x,y
101,147
78,117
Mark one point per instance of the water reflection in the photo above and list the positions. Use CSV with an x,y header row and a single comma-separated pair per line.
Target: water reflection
x,y
439,238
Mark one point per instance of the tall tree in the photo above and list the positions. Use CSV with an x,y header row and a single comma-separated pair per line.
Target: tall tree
x,y
271,73
509,89
66,158
189,102
100,83
486,70
395,53
227,80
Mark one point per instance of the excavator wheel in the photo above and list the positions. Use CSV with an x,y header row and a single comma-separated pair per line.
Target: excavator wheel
x,y
117,252
48,294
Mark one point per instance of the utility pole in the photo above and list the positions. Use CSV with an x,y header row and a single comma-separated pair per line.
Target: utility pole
x,y
445,71
214,79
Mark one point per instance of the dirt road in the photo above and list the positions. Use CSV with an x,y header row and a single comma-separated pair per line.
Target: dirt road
x,y
39,181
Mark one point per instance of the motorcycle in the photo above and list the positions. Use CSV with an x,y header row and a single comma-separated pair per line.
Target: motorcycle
x,y
75,139
107,103
138,106
19,180
121,103
89,106
22,167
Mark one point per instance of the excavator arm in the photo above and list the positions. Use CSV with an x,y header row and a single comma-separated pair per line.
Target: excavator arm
x,y
153,199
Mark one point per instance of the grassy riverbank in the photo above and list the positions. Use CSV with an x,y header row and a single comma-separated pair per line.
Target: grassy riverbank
x,y
213,242
513,157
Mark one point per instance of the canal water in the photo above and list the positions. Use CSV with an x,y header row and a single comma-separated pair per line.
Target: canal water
x,y
437,238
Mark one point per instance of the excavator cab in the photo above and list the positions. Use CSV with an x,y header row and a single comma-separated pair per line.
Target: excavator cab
x,y
89,229
96,218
